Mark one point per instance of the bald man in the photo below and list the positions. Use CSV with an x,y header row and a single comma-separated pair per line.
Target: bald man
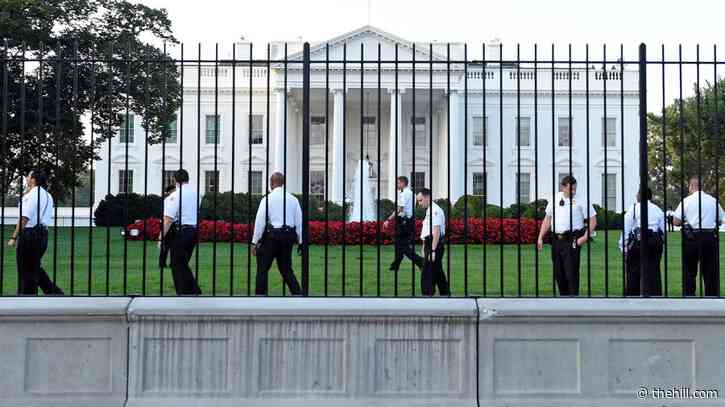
x,y
278,226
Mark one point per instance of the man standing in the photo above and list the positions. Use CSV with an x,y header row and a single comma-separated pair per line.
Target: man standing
x,y
700,215
569,234
404,226
180,215
277,227
31,236
630,244
432,234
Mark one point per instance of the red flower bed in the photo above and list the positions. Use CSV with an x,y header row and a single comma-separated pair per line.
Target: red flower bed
x,y
490,231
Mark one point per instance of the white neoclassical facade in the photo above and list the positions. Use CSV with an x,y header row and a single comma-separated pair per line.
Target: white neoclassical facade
x,y
458,122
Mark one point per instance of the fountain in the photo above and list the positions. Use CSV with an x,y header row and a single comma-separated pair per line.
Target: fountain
x,y
363,206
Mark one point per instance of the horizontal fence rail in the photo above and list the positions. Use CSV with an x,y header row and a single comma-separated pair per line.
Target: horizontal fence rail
x,y
488,132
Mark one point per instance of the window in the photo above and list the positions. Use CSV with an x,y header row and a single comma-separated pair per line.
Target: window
x,y
524,131
168,179
125,133
419,131
417,180
523,192
370,131
565,134
212,129
171,131
256,182
317,184
609,132
317,130
479,130
125,181
479,184
211,181
609,191
257,129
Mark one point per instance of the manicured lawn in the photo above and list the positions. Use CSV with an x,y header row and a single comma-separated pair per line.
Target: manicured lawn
x,y
123,271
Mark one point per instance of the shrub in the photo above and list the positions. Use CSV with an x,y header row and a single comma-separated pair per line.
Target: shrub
x,y
613,221
245,206
478,231
111,211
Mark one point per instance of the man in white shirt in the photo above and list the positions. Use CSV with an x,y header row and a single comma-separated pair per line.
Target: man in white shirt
x,y
180,219
404,226
571,223
432,235
629,244
31,236
700,216
277,227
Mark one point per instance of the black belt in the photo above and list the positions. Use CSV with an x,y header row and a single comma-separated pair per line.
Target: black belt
x,y
703,230
187,227
567,235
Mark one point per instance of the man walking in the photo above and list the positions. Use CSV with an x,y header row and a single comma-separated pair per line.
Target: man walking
x,y
404,226
432,234
630,244
566,218
180,218
31,236
277,227
700,216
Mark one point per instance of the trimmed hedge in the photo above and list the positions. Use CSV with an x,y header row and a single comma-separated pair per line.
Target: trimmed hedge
x,y
111,209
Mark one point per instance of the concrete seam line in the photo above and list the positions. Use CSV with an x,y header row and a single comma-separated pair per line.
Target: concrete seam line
x,y
128,351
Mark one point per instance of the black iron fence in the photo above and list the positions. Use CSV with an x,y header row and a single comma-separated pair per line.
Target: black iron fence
x,y
491,136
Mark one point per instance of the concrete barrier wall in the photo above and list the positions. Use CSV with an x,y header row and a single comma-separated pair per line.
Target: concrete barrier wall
x,y
358,352
59,352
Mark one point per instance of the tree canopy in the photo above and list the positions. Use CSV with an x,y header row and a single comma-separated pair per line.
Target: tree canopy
x,y
70,64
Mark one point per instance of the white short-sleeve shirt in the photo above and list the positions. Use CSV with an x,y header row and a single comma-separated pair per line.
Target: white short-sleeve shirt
x,y
562,219
405,200
37,203
284,210
692,204
182,202
655,220
439,219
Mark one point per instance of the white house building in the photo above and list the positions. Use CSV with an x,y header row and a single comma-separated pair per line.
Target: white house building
x,y
447,109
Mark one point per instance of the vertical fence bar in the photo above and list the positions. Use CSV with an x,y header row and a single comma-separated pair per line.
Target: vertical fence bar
x,y
588,135
681,126
56,133
484,145
378,158
536,163
306,169
465,171
717,169
3,162
412,173
571,146
284,150
91,177
664,164
266,161
216,189
126,185
234,157
698,100
621,161
553,163
643,222
198,156
362,156
22,130
605,179
327,166
74,131
344,172
518,168
430,142
165,135
396,96
448,158
146,184
500,233
109,96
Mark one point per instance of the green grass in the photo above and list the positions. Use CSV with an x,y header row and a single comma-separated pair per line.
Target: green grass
x,y
104,276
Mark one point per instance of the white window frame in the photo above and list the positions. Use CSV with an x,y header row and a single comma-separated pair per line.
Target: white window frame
x,y
250,182
218,180
129,189
517,136
604,192
609,128
317,130
413,121
175,130
558,133
485,183
518,186
122,129
251,133
484,131
206,130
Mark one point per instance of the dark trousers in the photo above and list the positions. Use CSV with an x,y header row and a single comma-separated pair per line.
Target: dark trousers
x,y
281,250
404,245
432,275
566,264
653,279
32,244
703,251
182,246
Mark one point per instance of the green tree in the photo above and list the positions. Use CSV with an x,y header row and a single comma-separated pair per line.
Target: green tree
x,y
66,62
686,141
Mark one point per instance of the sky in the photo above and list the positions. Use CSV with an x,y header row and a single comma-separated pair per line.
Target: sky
x,y
526,22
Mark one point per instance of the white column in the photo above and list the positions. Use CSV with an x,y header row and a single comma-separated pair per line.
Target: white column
x,y
337,188
395,112
458,166
278,164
